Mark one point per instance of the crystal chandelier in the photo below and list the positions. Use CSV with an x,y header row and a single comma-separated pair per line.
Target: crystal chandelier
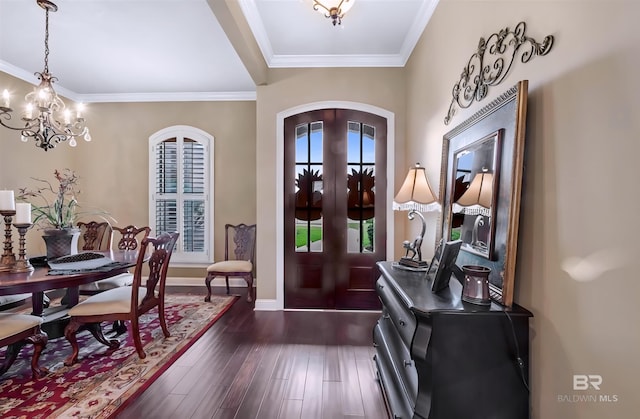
x,y
333,9
44,110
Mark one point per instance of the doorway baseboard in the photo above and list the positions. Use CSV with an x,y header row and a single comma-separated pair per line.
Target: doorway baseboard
x,y
267,305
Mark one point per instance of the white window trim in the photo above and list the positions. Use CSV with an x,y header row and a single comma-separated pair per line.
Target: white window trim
x,y
180,258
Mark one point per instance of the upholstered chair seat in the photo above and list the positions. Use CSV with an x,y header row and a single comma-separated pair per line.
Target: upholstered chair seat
x,y
231,266
8,301
15,331
12,324
116,300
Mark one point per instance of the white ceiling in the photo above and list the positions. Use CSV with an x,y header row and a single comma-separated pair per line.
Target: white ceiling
x,y
163,50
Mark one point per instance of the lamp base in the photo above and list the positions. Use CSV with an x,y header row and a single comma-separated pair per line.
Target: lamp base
x,y
396,265
413,263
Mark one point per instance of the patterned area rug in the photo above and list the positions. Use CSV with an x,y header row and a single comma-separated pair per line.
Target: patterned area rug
x,y
104,381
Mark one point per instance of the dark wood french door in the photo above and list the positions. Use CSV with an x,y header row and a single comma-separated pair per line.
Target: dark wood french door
x,y
334,208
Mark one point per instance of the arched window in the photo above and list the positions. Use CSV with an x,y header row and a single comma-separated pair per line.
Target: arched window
x,y
181,190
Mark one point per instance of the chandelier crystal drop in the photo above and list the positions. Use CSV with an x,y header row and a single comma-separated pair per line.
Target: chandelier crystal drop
x,y
46,118
333,9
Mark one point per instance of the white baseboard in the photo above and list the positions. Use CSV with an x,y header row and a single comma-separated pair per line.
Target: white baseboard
x,y
266,305
234,282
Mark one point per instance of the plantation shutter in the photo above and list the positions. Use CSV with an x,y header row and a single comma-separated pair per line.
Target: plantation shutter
x,y
166,186
193,188
181,179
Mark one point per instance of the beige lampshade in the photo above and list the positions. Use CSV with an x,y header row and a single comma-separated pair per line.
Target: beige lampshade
x,y
479,192
416,193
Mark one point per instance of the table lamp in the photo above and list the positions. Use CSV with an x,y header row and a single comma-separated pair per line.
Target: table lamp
x,y
415,195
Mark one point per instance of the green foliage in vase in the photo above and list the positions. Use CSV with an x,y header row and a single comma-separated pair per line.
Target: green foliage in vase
x,y
55,205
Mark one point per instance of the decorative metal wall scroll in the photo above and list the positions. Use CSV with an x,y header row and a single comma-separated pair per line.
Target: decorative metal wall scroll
x,y
491,63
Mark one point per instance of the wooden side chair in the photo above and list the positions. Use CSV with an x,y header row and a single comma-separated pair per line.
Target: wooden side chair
x,y
239,254
16,330
130,238
94,236
126,303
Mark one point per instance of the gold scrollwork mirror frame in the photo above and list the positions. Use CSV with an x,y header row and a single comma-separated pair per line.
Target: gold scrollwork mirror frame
x,y
507,114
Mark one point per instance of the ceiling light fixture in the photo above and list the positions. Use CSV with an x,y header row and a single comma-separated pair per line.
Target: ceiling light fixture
x,y
333,9
44,109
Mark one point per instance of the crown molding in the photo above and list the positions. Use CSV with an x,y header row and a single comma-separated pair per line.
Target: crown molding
x,y
130,97
306,61
169,97
31,78
417,28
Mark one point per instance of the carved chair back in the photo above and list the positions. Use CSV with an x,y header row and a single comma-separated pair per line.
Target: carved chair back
x,y
240,242
158,264
95,236
131,236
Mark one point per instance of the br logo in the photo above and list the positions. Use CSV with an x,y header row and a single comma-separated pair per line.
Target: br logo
x,y
583,382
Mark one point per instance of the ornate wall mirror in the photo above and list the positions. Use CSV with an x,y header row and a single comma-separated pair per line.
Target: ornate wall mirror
x,y
481,180
476,170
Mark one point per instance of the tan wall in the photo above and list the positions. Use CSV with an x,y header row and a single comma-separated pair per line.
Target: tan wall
x,y
582,136
383,88
114,167
579,193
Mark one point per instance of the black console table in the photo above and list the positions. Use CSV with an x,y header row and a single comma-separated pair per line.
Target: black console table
x,y
438,357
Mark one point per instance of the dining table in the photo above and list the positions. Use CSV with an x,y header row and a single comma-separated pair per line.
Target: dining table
x,y
43,278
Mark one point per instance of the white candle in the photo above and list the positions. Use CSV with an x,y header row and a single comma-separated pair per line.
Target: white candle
x,y
7,201
23,213
6,98
79,110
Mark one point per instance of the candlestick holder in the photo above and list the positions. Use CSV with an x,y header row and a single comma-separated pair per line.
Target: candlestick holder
x,y
22,264
8,258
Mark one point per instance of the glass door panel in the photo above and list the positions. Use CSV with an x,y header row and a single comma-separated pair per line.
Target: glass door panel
x,y
360,188
308,187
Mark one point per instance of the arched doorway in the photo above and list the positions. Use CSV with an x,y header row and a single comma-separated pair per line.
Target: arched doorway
x,y
335,211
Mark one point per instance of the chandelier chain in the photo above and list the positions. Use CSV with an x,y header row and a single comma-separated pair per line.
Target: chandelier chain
x,y
46,41
46,119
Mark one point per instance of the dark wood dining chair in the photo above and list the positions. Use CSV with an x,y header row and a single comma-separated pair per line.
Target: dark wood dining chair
x,y
129,240
94,236
126,303
239,258
16,330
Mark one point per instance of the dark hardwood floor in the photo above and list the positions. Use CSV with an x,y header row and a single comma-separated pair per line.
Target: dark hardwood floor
x,y
257,364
